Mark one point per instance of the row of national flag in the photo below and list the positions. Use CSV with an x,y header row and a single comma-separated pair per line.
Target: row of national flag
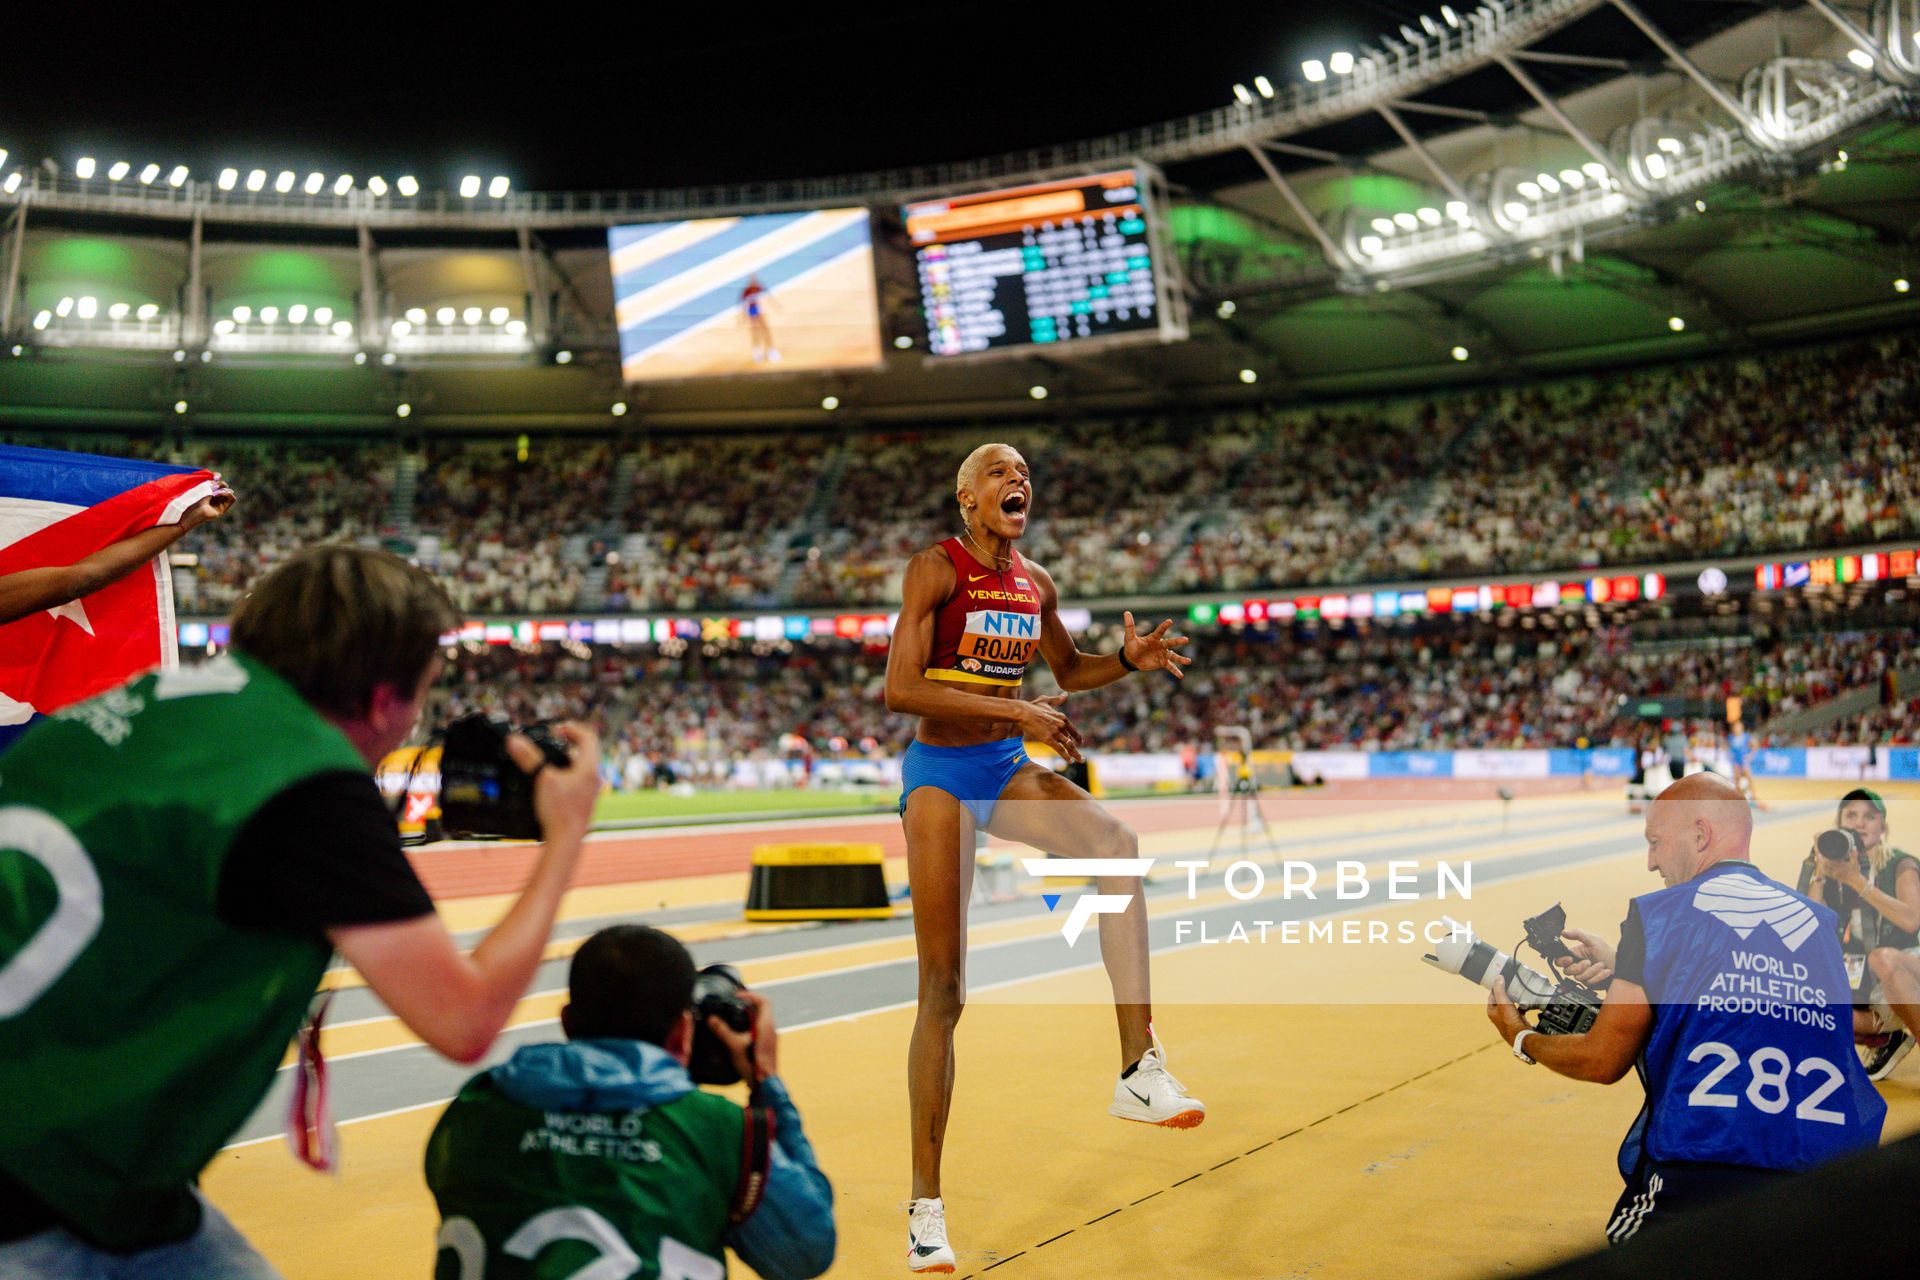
x,y
58,508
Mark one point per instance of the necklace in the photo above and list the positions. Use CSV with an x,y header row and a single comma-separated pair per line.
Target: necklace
x,y
1000,563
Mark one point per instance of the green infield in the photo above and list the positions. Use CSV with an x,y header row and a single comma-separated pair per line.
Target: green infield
x,y
616,806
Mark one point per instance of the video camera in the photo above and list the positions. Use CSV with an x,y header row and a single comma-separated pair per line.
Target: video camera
x,y
483,793
1566,1007
717,993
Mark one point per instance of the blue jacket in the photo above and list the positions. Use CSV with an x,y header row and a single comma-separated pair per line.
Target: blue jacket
x,y
789,1237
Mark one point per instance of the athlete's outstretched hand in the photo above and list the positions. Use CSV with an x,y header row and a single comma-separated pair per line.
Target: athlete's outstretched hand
x,y
1155,650
1042,721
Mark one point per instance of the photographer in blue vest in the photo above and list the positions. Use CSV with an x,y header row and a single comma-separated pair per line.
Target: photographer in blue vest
x,y
1729,995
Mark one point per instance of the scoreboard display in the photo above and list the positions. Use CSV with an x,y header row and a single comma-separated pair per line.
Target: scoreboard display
x,y
1053,263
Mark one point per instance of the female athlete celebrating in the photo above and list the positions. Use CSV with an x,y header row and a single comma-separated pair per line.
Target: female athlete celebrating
x,y
973,615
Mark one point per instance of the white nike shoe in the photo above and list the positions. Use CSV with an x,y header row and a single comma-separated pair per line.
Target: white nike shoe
x,y
927,1247
1151,1095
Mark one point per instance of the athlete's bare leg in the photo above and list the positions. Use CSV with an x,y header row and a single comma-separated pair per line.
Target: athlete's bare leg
x,y
1899,975
940,874
1042,809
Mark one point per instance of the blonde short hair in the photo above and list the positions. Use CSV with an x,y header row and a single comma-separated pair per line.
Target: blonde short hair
x,y
970,469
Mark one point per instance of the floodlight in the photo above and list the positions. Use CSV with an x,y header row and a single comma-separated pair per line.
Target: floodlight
x,y
118,311
445,315
1457,210
498,187
388,358
1037,392
223,327
377,185
471,315
359,357
1676,324
323,316
498,315
1460,353
1225,309
242,314
1656,165
1594,169
87,307
1240,92
147,311
1671,146
1516,211
1427,24
269,315
1452,18
1429,215
314,182
256,179
619,409
417,315
1314,70
409,185
1902,285
829,403
1264,86
1406,221
1573,178
1383,225
229,178
119,170
1860,58
297,313
13,182
178,177
64,309
83,168
343,328
1340,63
563,357
401,328
1249,377
179,406
1371,244
517,328
902,342
42,320
470,186
343,184
1549,183
1531,190
284,183
148,174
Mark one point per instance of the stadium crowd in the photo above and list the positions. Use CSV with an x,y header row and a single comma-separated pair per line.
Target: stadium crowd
x,y
1806,449
1438,688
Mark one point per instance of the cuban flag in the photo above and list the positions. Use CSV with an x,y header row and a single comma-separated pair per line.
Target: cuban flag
x,y
58,508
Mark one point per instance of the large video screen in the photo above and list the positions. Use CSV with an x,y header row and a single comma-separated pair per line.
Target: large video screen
x,y
768,293
1051,263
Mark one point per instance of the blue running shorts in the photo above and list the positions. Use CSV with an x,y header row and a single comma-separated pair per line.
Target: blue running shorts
x,y
975,776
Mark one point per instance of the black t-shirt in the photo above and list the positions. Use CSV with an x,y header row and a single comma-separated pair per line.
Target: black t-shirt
x,y
1630,958
322,853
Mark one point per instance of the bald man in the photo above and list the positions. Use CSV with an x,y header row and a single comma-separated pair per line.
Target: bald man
x,y
1729,995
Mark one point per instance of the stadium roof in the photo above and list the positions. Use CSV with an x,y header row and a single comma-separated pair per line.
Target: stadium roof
x,y
1809,241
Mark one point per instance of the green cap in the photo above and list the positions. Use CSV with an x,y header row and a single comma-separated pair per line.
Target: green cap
x,y
1871,797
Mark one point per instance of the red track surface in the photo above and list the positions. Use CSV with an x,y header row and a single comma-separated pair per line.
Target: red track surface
x,y
676,852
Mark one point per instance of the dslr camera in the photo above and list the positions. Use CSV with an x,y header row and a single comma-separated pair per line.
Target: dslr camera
x,y
483,793
716,993
1565,1007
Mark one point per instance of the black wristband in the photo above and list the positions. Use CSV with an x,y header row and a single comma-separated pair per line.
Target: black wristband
x,y
1122,655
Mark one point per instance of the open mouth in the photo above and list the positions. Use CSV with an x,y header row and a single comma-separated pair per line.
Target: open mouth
x,y
1014,504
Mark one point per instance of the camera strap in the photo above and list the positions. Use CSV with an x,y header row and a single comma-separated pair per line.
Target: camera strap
x,y
756,1157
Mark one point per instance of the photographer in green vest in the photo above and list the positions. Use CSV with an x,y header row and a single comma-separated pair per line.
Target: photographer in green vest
x,y
600,1153
179,859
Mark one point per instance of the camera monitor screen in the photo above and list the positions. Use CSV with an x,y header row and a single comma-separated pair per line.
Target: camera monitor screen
x,y
1041,265
768,293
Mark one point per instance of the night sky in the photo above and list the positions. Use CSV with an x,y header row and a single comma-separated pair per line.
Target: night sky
x,y
558,99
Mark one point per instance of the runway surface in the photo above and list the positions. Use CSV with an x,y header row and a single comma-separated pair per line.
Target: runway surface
x,y
1363,1117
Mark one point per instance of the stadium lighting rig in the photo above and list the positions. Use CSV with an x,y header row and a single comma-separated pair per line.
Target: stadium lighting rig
x,y
256,181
